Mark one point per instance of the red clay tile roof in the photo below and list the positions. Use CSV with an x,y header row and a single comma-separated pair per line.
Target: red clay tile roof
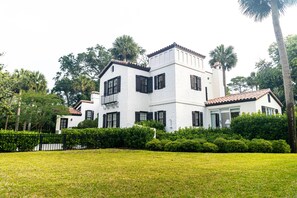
x,y
73,111
241,97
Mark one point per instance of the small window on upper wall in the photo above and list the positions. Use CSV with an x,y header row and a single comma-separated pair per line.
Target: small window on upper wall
x,y
269,100
160,81
89,115
195,82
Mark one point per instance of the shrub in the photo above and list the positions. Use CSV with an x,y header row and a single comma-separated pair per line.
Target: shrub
x,y
190,146
221,143
210,147
260,146
7,142
163,143
154,145
152,124
88,124
261,126
172,146
236,146
280,146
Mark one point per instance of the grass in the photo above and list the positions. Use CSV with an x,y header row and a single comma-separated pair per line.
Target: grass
x,y
130,173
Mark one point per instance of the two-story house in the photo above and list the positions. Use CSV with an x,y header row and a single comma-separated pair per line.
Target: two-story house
x,y
175,89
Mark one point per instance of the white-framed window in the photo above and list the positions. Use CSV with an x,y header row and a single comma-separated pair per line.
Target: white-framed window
x,y
223,117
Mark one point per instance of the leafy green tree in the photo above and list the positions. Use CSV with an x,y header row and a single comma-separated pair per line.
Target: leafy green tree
x,y
238,84
81,68
225,57
40,109
126,49
252,81
258,10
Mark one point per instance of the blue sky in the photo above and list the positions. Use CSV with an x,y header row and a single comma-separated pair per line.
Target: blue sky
x,y
35,34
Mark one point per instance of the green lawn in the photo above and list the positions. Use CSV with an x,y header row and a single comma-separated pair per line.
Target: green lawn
x,y
130,173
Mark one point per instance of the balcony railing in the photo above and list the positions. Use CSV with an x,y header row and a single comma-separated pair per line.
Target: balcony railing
x,y
109,99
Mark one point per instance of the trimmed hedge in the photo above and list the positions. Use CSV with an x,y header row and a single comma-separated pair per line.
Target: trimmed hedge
x,y
261,126
134,138
209,134
260,146
11,141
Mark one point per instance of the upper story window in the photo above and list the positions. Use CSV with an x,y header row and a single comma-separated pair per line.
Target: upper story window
x,y
160,81
144,84
112,86
89,115
195,82
269,100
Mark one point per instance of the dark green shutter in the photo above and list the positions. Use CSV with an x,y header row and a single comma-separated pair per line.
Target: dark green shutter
x,y
150,116
193,118
200,119
119,84
137,116
156,115
118,119
164,118
104,121
199,83
192,82
163,84
138,83
156,82
105,88
150,84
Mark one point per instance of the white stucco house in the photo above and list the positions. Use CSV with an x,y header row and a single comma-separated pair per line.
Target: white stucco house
x,y
176,89
83,110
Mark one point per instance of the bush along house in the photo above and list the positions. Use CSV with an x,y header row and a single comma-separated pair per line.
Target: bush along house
x,y
176,90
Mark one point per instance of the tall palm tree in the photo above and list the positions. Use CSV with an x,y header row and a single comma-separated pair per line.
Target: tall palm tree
x,y
258,10
126,49
226,58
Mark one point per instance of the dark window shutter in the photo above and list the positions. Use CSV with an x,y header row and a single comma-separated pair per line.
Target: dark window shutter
x,y
150,116
119,84
276,111
164,81
192,82
156,115
104,121
206,94
118,119
137,83
156,82
263,109
105,88
137,116
86,113
268,98
150,84
217,120
164,118
199,83
200,119
92,115
193,118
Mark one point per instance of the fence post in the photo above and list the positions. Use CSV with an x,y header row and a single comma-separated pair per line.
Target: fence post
x,y
40,142
64,142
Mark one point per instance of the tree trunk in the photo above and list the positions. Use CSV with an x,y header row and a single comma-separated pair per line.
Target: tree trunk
x,y
224,79
18,112
289,97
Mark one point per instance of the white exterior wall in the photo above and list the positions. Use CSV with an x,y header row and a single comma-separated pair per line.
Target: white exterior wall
x,y
129,101
263,101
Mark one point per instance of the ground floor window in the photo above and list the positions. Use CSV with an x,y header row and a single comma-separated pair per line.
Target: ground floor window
x,y
197,118
269,110
64,123
143,116
161,117
223,117
111,120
